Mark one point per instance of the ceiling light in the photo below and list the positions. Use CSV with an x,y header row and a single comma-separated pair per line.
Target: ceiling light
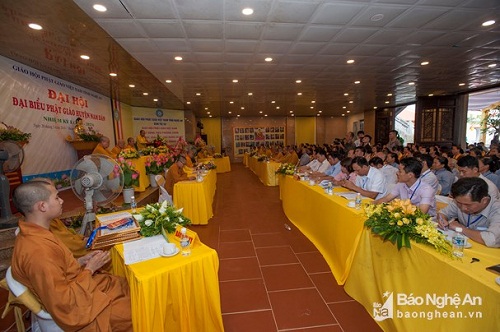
x,y
260,112
376,17
492,65
206,108
99,8
235,81
357,82
198,93
348,112
461,84
350,61
265,114
229,112
268,59
311,107
320,111
411,83
231,102
291,111
84,57
389,95
375,107
35,26
425,63
313,101
188,102
293,114
343,114
346,94
155,99
431,94
298,81
250,94
208,112
488,23
113,74
247,11
242,107
209,116
299,93
178,58
168,81
350,102
131,85
344,107
387,102
273,101
318,114
277,107
238,115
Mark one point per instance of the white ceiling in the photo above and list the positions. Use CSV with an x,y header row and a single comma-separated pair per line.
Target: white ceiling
x,y
310,40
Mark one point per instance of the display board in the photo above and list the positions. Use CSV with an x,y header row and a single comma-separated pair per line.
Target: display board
x,y
245,138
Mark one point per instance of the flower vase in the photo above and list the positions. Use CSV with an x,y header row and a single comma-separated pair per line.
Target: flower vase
x,y
152,180
127,195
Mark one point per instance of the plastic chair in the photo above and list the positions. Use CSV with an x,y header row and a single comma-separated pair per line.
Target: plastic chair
x,y
164,195
41,320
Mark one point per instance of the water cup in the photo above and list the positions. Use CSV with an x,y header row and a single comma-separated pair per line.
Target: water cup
x,y
169,248
311,182
351,204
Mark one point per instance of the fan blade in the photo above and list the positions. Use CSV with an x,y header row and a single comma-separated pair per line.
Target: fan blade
x,y
113,184
87,166
98,197
78,188
106,167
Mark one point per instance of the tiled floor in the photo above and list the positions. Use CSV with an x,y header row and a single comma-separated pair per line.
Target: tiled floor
x,y
271,279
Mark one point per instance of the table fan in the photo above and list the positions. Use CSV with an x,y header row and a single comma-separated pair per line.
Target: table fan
x,y
11,158
95,179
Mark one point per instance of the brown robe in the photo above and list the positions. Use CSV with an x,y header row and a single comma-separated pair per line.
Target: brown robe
x,y
174,175
76,299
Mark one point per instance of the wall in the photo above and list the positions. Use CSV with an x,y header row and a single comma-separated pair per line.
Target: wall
x,y
328,128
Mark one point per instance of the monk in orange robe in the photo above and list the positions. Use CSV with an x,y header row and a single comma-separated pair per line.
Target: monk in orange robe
x,y
77,297
102,148
175,174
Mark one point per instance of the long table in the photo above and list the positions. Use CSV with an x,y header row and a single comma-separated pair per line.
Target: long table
x,y
266,171
326,220
196,198
177,294
419,274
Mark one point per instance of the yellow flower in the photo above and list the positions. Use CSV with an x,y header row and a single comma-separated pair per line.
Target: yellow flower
x,y
400,223
397,215
406,221
419,221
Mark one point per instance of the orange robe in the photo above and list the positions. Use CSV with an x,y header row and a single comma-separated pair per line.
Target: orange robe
x,y
294,159
141,142
189,162
76,299
72,240
99,149
116,150
174,175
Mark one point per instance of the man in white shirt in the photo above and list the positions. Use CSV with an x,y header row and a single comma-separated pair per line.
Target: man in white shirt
x,y
370,182
427,175
390,172
322,164
468,166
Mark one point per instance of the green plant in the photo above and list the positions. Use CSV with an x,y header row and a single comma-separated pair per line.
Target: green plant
x,y
130,173
155,217
11,133
491,121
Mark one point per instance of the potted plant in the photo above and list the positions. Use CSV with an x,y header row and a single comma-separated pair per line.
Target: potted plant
x,y
130,177
10,133
157,164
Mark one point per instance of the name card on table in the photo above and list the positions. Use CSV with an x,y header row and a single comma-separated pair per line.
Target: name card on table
x,y
175,237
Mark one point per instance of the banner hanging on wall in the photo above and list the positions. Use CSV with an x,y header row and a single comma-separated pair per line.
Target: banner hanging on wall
x,y
47,107
168,124
247,137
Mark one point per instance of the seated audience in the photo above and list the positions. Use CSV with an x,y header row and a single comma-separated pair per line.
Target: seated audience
x,y
78,298
346,172
443,174
332,170
412,187
487,167
468,166
175,174
474,210
389,172
370,182
427,174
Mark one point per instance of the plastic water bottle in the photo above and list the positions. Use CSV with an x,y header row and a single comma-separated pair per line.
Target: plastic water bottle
x,y
458,241
329,189
357,202
185,244
133,204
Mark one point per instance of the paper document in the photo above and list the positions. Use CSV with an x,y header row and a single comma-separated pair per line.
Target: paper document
x,y
143,249
350,195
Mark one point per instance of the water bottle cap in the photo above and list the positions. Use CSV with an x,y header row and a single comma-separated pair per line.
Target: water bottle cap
x,y
458,229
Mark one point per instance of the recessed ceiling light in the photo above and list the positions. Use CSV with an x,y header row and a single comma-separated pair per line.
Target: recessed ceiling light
x,y
235,81
113,74
343,114
461,84
350,102
35,26
411,83
229,112
178,58
131,85
312,107
350,61
206,108
260,112
198,93
250,94
318,114
145,93
357,82
346,94
168,81
208,112
156,99
389,95
387,102
238,115
99,8
320,111
247,11
265,114
209,116
298,81
268,59
313,101
231,102
299,93
188,102
348,112
375,107
291,111
344,107
488,23
277,107
492,65
84,57
273,101
242,107
425,63
431,94
376,17
293,114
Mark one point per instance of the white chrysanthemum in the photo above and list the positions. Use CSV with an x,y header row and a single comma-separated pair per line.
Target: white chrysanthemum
x,y
138,217
148,222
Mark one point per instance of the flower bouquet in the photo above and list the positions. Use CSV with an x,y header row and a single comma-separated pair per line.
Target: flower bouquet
x,y
399,222
155,217
205,166
217,155
130,173
10,133
263,158
287,169
159,141
129,154
156,164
